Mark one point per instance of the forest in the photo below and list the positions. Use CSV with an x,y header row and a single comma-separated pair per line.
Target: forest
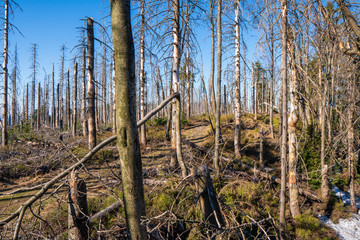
x,y
179,119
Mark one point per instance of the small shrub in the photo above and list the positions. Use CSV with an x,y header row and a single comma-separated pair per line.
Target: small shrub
x,y
160,121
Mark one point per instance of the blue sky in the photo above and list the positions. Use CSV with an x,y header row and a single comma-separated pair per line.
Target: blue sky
x,y
52,23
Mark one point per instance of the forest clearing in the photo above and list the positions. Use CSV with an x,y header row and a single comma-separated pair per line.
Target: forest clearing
x,y
128,138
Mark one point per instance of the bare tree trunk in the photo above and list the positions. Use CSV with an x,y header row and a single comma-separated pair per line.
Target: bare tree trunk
x,y
77,209
176,111
61,102
324,178
33,86
284,76
128,141
27,102
75,100
255,89
91,84
212,66
188,83
14,97
142,72
351,155
272,78
218,89
237,139
293,119
38,109
113,96
103,76
58,106
245,85
67,107
53,109
83,100
4,135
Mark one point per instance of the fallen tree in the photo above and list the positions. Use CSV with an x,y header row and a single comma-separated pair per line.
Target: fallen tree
x,y
265,175
21,210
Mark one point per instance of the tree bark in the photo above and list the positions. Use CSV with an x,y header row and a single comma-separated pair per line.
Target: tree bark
x,y
212,66
128,141
91,84
292,121
75,100
14,97
218,89
284,76
176,111
237,139
83,99
53,108
33,86
77,209
38,109
4,135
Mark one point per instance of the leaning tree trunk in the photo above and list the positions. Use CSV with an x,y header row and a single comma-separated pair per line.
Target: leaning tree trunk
x,y
284,76
91,84
293,119
128,141
237,82
218,89
75,100
176,111
5,73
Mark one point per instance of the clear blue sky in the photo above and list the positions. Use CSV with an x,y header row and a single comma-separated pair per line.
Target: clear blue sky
x,y
50,24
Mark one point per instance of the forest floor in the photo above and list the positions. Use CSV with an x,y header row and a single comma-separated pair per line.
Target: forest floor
x,y
248,202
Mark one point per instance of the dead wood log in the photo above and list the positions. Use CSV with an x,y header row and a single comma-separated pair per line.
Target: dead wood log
x,y
77,209
267,176
113,207
207,196
91,153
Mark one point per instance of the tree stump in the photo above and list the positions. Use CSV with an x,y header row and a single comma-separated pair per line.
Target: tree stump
x,y
77,209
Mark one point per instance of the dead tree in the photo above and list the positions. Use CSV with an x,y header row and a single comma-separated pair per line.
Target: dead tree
x,y
77,209
237,82
5,73
14,80
218,89
284,76
83,98
142,72
75,100
292,120
127,136
208,201
53,108
34,64
91,84
38,108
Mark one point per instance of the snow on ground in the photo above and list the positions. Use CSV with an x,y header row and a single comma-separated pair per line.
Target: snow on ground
x,y
347,229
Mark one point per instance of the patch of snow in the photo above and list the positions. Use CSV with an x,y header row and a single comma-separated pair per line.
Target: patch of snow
x,y
347,229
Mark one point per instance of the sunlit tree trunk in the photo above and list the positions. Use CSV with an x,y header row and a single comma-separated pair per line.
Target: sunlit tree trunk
x,y
142,72
237,82
53,109
176,111
91,84
272,78
113,96
14,80
212,64
4,135
218,89
284,76
75,100
127,135
292,120
83,90
350,138
38,108
34,53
